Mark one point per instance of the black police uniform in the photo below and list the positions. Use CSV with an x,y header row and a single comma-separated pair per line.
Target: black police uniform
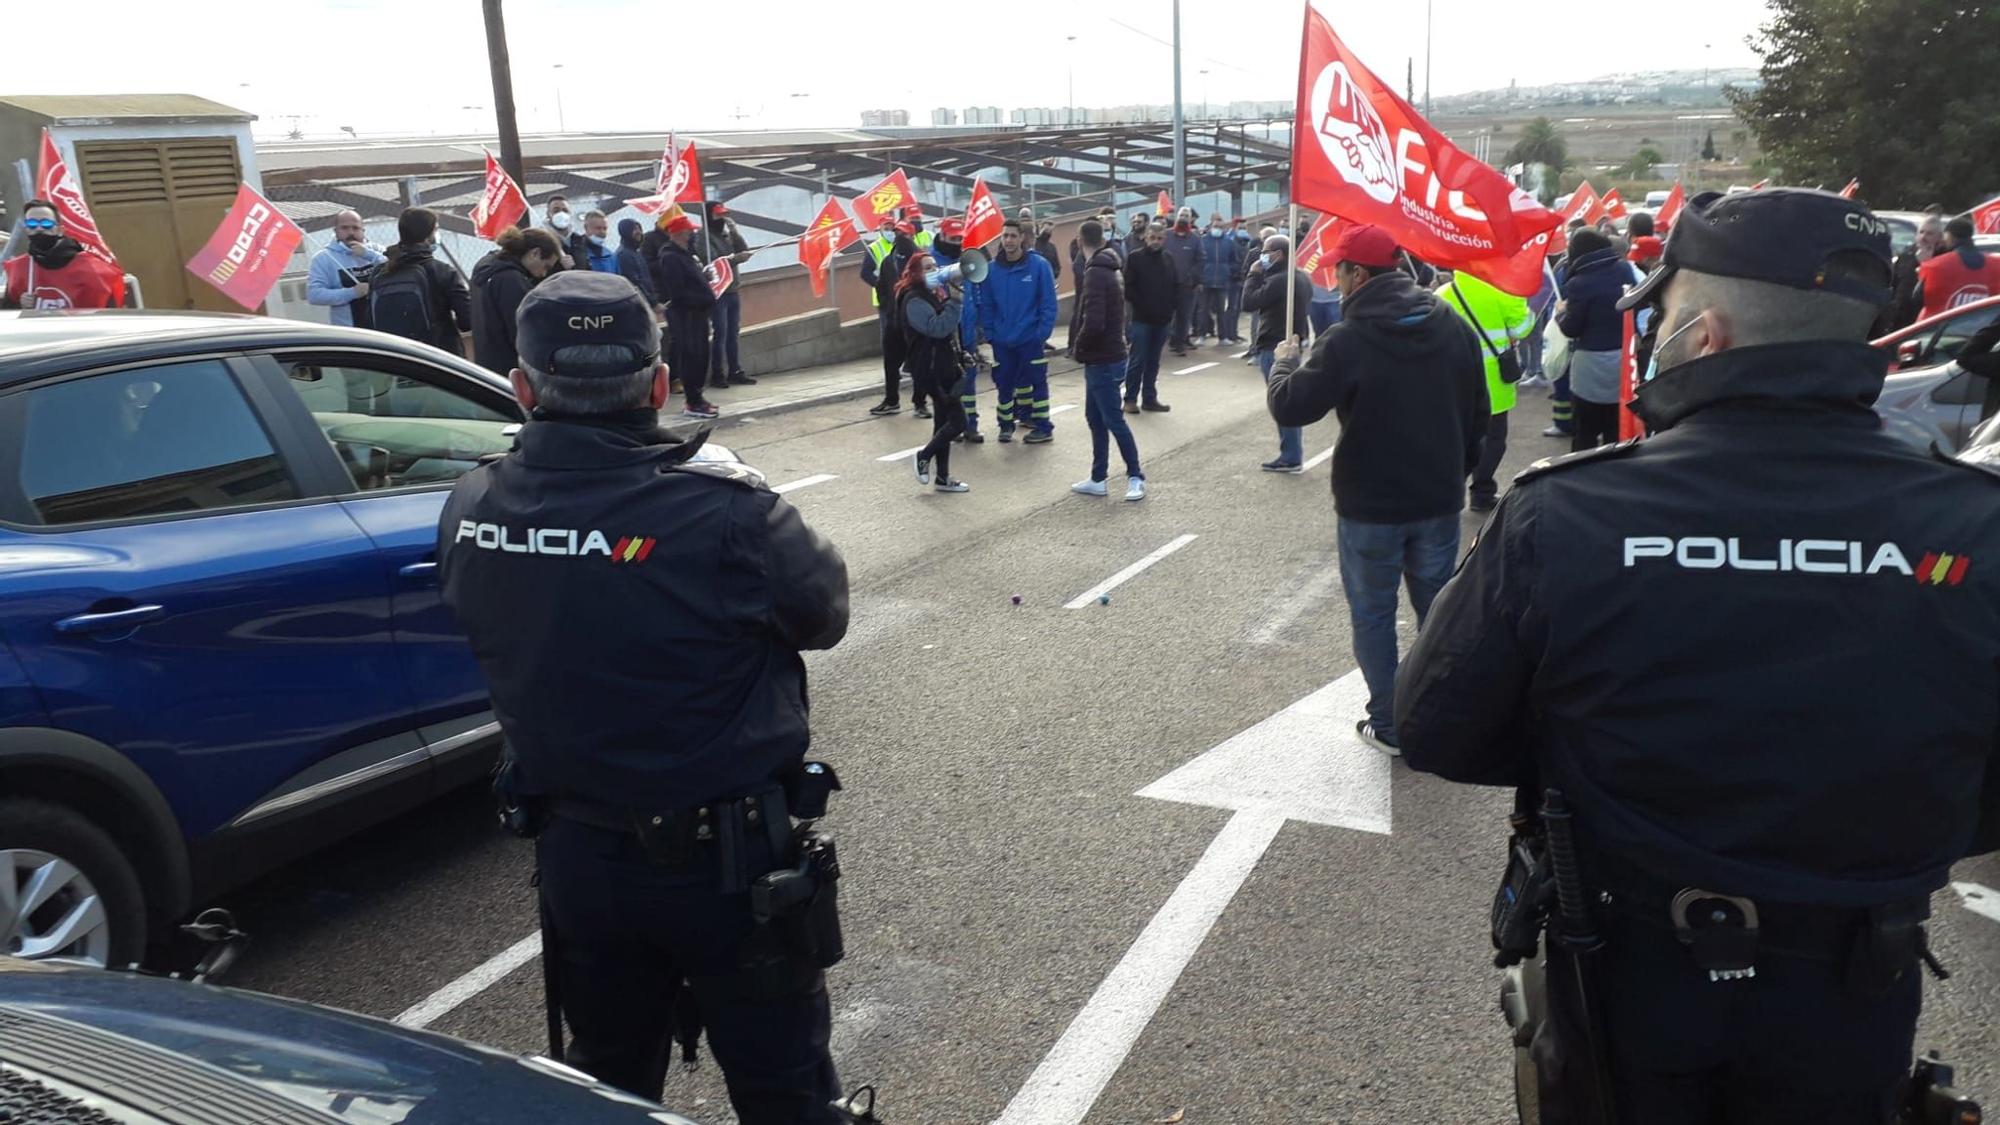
x,y
639,619
1759,653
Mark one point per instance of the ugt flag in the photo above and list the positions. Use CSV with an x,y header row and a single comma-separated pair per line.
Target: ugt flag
x,y
1315,254
680,182
1361,152
884,200
1986,217
983,221
501,205
54,183
1614,204
830,233
248,252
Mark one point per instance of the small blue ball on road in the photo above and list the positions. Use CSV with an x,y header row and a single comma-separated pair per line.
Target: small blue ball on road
x,y
1104,599
1017,599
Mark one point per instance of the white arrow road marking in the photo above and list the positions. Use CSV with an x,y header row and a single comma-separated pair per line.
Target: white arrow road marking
x,y
1129,573
807,482
1980,900
1317,461
902,454
1303,763
440,1003
1195,368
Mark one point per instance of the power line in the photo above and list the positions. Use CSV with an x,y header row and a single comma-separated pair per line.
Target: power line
x,y
1169,45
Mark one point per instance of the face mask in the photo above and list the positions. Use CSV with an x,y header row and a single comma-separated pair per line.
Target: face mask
x,y
559,220
597,240
1653,361
43,243
1266,259
1183,226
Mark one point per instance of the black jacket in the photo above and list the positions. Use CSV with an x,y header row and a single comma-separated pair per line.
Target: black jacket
x,y
1045,245
638,617
932,328
683,285
889,270
1152,285
1408,380
1747,648
1904,305
499,283
727,242
450,300
1100,310
1264,293
1591,288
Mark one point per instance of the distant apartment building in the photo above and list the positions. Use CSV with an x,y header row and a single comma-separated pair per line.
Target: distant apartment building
x,y
943,116
884,118
982,115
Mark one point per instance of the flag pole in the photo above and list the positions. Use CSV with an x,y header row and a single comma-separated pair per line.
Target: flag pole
x,y
1291,283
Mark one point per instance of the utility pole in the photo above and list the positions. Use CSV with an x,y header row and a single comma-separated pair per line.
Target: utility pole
x,y
562,123
1070,120
503,94
1180,138
1428,27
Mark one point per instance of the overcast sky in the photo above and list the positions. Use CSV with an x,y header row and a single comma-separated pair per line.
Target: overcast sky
x,y
418,66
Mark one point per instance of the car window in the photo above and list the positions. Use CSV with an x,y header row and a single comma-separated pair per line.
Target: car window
x,y
145,442
1953,334
393,430
1960,389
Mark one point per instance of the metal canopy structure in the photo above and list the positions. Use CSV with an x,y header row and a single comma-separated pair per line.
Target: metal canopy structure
x,y
1085,165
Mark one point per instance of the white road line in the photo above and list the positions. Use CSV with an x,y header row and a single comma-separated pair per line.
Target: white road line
x,y
902,455
1240,355
1984,901
1321,584
1067,1083
1195,368
1129,573
440,1003
1317,462
805,482
1060,409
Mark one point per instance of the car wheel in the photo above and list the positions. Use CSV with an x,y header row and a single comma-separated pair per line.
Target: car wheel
x,y
66,891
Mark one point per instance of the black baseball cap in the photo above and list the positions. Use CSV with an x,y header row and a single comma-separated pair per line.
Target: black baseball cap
x,y
582,308
1784,236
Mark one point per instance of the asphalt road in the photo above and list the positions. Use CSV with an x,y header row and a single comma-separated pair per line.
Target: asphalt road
x,y
998,860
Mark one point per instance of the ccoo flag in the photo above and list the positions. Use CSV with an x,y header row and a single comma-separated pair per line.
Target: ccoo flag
x,y
1361,152
249,251
884,200
501,205
983,221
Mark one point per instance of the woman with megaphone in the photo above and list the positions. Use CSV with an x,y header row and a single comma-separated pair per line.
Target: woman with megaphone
x,y
929,307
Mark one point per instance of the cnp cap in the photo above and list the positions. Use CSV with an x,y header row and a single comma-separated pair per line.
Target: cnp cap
x,y
1784,236
582,323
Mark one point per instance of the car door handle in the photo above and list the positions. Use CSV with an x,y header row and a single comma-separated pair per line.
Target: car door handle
x,y
111,621
419,570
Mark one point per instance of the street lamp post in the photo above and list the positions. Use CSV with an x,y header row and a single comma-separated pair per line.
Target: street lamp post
x,y
562,125
1180,137
1071,119
1204,95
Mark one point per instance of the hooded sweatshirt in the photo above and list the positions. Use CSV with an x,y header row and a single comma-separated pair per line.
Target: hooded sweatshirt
x,y
1407,379
632,260
1100,322
499,284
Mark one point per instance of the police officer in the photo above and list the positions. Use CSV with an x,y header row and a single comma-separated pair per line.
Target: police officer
x,y
1758,654
639,617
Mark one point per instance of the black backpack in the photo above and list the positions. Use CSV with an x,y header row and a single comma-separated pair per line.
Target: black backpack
x,y
399,303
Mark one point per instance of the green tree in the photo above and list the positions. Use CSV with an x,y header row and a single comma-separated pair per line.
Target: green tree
x,y
1880,91
1641,165
1708,147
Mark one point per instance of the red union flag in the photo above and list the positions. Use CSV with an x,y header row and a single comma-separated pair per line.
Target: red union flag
x,y
248,252
679,182
1315,254
830,233
884,200
1986,217
1760,185
1629,425
720,274
1361,152
501,205
1166,205
983,220
1583,204
1613,204
1852,189
54,183
1671,209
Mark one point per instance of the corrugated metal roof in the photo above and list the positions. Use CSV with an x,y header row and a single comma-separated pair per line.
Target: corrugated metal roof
x,y
80,108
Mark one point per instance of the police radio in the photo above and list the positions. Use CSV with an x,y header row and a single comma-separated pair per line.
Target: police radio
x,y
971,266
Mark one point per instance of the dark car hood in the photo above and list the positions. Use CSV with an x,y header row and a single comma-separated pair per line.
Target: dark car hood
x,y
136,1039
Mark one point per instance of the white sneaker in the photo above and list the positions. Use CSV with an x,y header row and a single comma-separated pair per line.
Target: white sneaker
x,y
952,484
1135,488
1089,488
923,469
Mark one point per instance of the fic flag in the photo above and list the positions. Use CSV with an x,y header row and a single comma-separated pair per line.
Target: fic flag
x,y
983,221
54,183
249,251
501,205
884,200
1613,204
1852,189
1361,152
1671,209
828,235
1315,255
1986,217
1166,205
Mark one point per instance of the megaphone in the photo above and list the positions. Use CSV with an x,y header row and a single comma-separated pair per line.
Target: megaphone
x,y
971,266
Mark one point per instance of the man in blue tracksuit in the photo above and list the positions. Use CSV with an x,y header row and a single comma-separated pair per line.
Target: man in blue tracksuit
x,y
948,248
1017,311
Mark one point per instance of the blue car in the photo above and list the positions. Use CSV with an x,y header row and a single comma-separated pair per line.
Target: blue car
x,y
82,1046
222,643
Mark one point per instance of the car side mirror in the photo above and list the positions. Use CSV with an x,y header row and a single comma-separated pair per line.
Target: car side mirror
x,y
1909,352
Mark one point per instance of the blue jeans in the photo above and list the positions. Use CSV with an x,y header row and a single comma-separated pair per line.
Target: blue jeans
x,y
1374,558
725,320
1101,382
1291,439
1142,364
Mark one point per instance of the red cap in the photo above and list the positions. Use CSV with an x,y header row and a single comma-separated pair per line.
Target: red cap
x,y
913,211
1366,245
718,209
1647,247
679,223
951,228
905,228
